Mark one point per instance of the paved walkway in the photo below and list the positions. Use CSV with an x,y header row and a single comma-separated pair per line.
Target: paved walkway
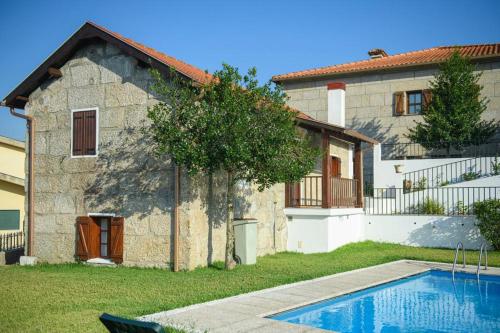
x,y
247,312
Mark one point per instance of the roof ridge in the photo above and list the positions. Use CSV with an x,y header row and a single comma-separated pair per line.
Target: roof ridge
x,y
357,61
415,57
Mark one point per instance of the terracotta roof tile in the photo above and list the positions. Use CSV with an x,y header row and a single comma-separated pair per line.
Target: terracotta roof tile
x,y
180,66
421,57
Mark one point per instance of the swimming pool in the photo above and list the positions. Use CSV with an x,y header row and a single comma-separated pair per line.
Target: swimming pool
x,y
427,302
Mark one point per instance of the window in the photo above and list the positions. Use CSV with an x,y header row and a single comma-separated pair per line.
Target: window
x,y
9,219
414,102
411,102
84,132
99,237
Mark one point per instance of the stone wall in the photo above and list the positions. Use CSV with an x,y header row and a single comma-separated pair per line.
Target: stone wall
x,y
125,178
369,100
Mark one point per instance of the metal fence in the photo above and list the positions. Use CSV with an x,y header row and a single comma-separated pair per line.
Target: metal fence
x,y
431,201
410,150
12,241
452,173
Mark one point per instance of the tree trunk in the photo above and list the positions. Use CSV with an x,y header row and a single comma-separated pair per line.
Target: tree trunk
x,y
229,262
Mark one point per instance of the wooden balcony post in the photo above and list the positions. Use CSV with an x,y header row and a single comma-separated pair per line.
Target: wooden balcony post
x,y
358,173
326,182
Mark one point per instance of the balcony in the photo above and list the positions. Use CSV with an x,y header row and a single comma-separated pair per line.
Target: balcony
x,y
309,193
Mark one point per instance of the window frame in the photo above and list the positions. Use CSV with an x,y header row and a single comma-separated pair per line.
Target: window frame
x,y
96,109
410,92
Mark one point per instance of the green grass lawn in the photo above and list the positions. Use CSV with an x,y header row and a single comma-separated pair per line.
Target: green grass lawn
x,y
69,298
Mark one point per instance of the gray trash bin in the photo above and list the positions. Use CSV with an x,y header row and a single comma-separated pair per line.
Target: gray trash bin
x,y
245,240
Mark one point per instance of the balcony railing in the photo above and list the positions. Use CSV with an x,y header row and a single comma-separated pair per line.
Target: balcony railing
x,y
344,192
448,201
452,173
410,150
309,192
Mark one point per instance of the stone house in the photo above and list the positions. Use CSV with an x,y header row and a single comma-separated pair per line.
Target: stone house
x,y
385,94
99,191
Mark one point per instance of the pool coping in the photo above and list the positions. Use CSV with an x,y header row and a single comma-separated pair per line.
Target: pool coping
x,y
248,312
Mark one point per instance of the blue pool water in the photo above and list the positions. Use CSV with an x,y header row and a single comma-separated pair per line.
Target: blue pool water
x,y
428,302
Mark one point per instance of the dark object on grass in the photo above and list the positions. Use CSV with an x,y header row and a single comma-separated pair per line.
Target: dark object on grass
x,y
121,325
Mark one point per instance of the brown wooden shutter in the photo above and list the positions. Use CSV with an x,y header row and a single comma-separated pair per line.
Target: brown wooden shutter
x,y
78,122
84,132
399,103
90,132
116,245
426,99
83,237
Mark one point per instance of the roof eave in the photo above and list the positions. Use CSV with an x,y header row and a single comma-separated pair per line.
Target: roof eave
x,y
354,135
277,79
61,55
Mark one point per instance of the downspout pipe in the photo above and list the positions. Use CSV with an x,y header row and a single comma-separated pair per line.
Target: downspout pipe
x,y
177,185
30,124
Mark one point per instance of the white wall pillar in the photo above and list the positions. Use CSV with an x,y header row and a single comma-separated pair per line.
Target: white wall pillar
x,y
336,103
351,161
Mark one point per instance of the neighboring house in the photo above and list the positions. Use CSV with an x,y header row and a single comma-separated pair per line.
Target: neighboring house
x,y
101,192
12,158
386,94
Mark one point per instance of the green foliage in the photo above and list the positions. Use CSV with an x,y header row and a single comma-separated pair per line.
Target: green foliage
x,y
461,208
429,207
495,166
420,185
444,183
233,125
453,117
230,124
488,214
471,175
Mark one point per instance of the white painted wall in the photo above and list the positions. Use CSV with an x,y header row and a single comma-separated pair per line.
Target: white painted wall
x,y
336,107
316,231
426,231
313,230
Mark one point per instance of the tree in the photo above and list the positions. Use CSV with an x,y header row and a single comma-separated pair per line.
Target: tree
x,y
230,125
453,116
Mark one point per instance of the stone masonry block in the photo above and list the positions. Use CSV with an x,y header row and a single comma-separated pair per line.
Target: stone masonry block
x,y
45,223
377,88
64,203
497,89
377,99
41,143
117,68
85,74
124,94
85,97
310,94
112,117
160,224
136,226
59,143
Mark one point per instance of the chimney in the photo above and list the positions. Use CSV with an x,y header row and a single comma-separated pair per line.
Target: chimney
x,y
336,103
377,53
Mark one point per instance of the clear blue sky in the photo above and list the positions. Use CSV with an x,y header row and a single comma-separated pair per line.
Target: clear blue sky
x,y
275,36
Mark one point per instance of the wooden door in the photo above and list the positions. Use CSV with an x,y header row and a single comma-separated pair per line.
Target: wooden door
x,y
335,167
